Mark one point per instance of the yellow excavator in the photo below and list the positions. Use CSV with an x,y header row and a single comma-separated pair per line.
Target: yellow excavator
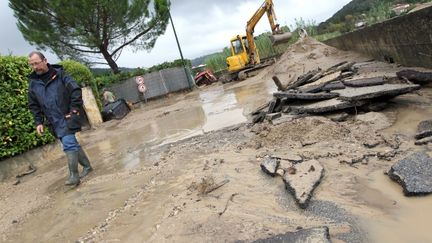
x,y
244,57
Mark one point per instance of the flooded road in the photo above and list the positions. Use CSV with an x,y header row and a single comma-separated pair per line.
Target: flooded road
x,y
125,148
152,167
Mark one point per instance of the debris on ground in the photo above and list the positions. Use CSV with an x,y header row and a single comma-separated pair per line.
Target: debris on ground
x,y
115,110
318,234
334,89
160,150
415,76
205,77
207,185
31,169
424,132
414,174
302,179
226,205
270,165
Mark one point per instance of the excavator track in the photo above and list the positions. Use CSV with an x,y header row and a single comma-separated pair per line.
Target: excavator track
x,y
250,72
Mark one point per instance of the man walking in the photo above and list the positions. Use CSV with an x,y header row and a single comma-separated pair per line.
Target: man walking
x,y
55,99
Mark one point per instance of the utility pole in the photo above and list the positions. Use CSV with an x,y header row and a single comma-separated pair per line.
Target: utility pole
x,y
181,54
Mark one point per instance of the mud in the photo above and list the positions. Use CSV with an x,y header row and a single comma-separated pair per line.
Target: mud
x,y
148,168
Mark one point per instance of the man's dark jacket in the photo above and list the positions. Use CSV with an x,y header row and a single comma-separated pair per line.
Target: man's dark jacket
x,y
53,95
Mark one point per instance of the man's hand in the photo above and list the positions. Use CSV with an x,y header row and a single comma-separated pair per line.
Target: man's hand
x,y
69,115
40,129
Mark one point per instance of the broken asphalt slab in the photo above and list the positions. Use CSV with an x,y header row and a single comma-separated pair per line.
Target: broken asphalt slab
x,y
423,141
338,117
283,118
415,76
325,106
414,174
424,129
301,183
322,87
270,165
318,234
385,90
364,82
305,96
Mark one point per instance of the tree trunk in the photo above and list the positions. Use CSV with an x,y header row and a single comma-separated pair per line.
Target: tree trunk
x,y
113,65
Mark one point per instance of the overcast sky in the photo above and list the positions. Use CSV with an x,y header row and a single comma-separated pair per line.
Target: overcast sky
x,y
202,26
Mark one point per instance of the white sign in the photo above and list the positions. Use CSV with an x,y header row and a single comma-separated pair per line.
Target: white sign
x,y
139,80
142,88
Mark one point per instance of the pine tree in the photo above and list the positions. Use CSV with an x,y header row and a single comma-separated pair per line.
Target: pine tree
x,y
91,31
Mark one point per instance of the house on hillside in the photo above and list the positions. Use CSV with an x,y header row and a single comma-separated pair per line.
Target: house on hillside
x,y
401,8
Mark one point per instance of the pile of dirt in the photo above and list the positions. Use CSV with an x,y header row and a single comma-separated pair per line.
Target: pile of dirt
x,y
307,54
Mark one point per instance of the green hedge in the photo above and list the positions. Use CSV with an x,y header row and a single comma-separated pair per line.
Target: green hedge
x,y
83,76
17,130
79,72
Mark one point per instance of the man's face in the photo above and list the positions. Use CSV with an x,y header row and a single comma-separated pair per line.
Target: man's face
x,y
37,64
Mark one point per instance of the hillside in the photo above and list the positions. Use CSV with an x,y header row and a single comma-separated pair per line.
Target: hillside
x,y
370,11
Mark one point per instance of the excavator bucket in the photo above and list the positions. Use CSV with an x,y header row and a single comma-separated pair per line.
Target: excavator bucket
x,y
280,38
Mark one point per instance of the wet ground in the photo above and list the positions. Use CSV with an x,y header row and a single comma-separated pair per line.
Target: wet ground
x,y
152,166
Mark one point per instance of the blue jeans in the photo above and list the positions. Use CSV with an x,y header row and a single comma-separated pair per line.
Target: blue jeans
x,y
70,143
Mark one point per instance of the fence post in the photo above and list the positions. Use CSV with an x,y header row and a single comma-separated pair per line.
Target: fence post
x,y
163,81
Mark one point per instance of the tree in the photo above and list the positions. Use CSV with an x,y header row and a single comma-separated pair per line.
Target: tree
x,y
91,31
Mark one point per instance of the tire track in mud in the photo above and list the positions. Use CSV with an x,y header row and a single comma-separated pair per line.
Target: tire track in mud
x,y
97,231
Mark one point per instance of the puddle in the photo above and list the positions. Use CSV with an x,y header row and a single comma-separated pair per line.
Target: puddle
x,y
406,219
221,110
411,110
211,110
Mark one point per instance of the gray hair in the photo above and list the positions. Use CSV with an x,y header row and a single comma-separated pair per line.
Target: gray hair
x,y
42,57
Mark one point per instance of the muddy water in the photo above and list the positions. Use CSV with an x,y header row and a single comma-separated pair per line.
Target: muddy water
x,y
411,109
211,109
404,219
75,212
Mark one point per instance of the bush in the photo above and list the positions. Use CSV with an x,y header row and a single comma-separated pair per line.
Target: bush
x,y
78,71
17,129
83,76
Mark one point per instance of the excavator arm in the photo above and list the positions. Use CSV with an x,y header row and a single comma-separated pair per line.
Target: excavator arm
x,y
244,53
266,7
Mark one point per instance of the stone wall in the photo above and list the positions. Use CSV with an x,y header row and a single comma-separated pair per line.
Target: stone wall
x,y
406,40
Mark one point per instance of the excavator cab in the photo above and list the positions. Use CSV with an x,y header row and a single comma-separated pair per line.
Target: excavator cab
x,y
244,57
239,58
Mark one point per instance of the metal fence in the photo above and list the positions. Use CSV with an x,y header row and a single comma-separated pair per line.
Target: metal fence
x,y
157,84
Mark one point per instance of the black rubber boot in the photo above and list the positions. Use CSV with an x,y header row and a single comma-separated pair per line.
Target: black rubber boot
x,y
73,169
84,161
